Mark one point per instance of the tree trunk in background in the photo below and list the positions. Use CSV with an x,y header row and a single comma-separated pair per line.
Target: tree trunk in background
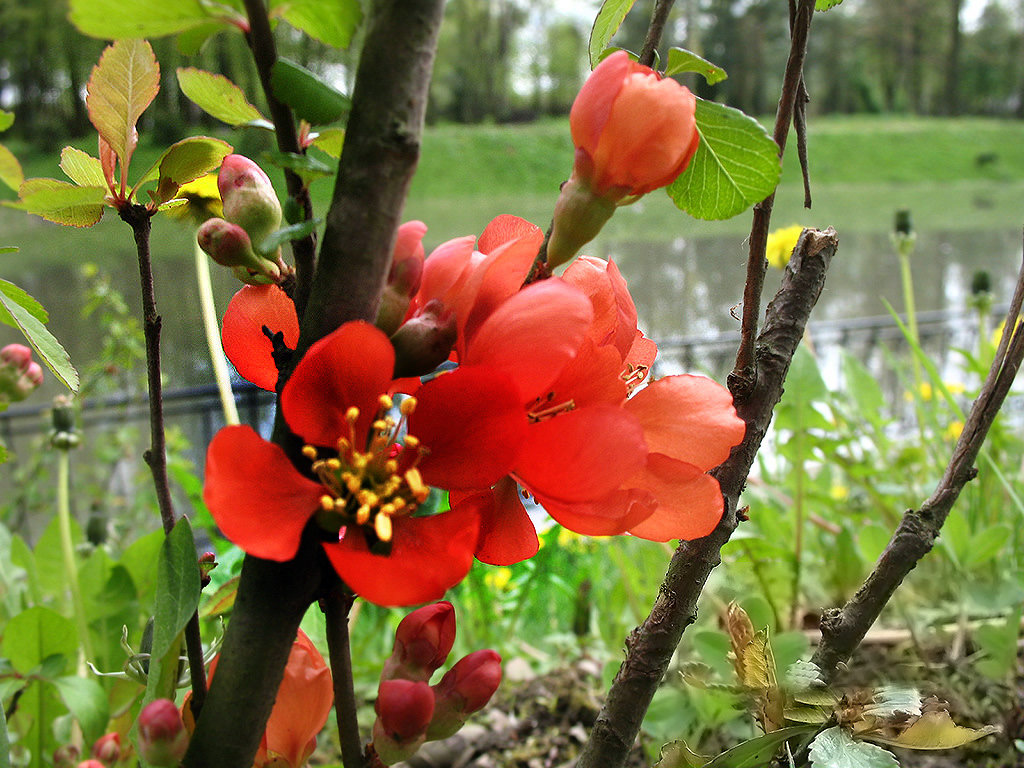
x,y
952,86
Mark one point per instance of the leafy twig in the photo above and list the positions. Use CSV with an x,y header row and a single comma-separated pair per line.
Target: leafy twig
x,y
261,42
743,375
139,218
650,646
842,630
659,18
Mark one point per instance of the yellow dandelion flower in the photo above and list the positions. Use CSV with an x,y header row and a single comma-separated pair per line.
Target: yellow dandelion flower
x,y
953,431
780,245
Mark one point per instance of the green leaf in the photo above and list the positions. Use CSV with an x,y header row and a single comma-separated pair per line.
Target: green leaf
x,y
294,232
6,120
82,168
87,702
824,5
330,140
306,166
986,544
221,601
309,97
138,558
863,386
217,95
757,752
186,161
681,60
607,23
121,86
332,22
8,249
5,744
60,202
736,165
676,754
177,586
20,297
36,634
835,748
116,19
49,349
10,169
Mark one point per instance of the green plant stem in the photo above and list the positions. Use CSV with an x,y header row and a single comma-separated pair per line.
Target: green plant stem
x,y
67,548
209,314
336,606
799,502
766,590
907,279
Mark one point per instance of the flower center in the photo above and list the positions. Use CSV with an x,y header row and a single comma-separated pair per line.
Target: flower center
x,y
632,375
544,408
369,485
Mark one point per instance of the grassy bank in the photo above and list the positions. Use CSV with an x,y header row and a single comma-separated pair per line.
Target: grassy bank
x,y
965,173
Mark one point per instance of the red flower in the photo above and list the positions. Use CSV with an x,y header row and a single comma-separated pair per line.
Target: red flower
x,y
634,131
247,346
465,431
300,710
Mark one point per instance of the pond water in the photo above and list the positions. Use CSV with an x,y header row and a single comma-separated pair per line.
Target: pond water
x,y
684,276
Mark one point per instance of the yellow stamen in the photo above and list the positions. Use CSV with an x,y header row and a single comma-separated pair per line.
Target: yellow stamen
x,y
352,414
309,452
386,403
382,527
363,514
327,503
412,442
415,481
333,465
408,406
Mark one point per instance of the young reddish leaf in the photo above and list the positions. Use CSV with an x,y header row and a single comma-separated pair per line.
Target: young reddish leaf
x,y
108,162
82,168
217,95
10,169
121,86
60,202
221,601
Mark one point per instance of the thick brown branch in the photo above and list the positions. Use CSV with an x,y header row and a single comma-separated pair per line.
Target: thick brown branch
x,y
651,645
336,606
741,379
264,51
382,145
843,630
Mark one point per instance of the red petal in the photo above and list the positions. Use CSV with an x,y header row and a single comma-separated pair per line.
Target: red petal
x,y
582,455
690,418
641,356
592,377
258,499
689,502
303,702
594,102
245,344
533,335
442,269
350,367
505,228
472,423
507,534
428,555
614,514
589,275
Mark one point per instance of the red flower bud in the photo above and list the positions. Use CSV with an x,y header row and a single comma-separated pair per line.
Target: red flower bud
x,y
403,278
634,132
91,764
423,641
464,689
107,748
404,709
66,756
20,375
207,562
229,245
619,154
425,340
249,197
162,736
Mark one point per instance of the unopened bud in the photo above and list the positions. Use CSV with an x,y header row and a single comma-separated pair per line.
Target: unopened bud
x,y
424,341
162,736
91,763
580,213
249,197
207,562
404,709
66,756
20,375
423,641
404,277
107,748
464,689
230,246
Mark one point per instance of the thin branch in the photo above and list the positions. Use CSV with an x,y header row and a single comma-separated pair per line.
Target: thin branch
x,y
655,30
140,219
261,42
650,646
336,606
842,630
741,380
